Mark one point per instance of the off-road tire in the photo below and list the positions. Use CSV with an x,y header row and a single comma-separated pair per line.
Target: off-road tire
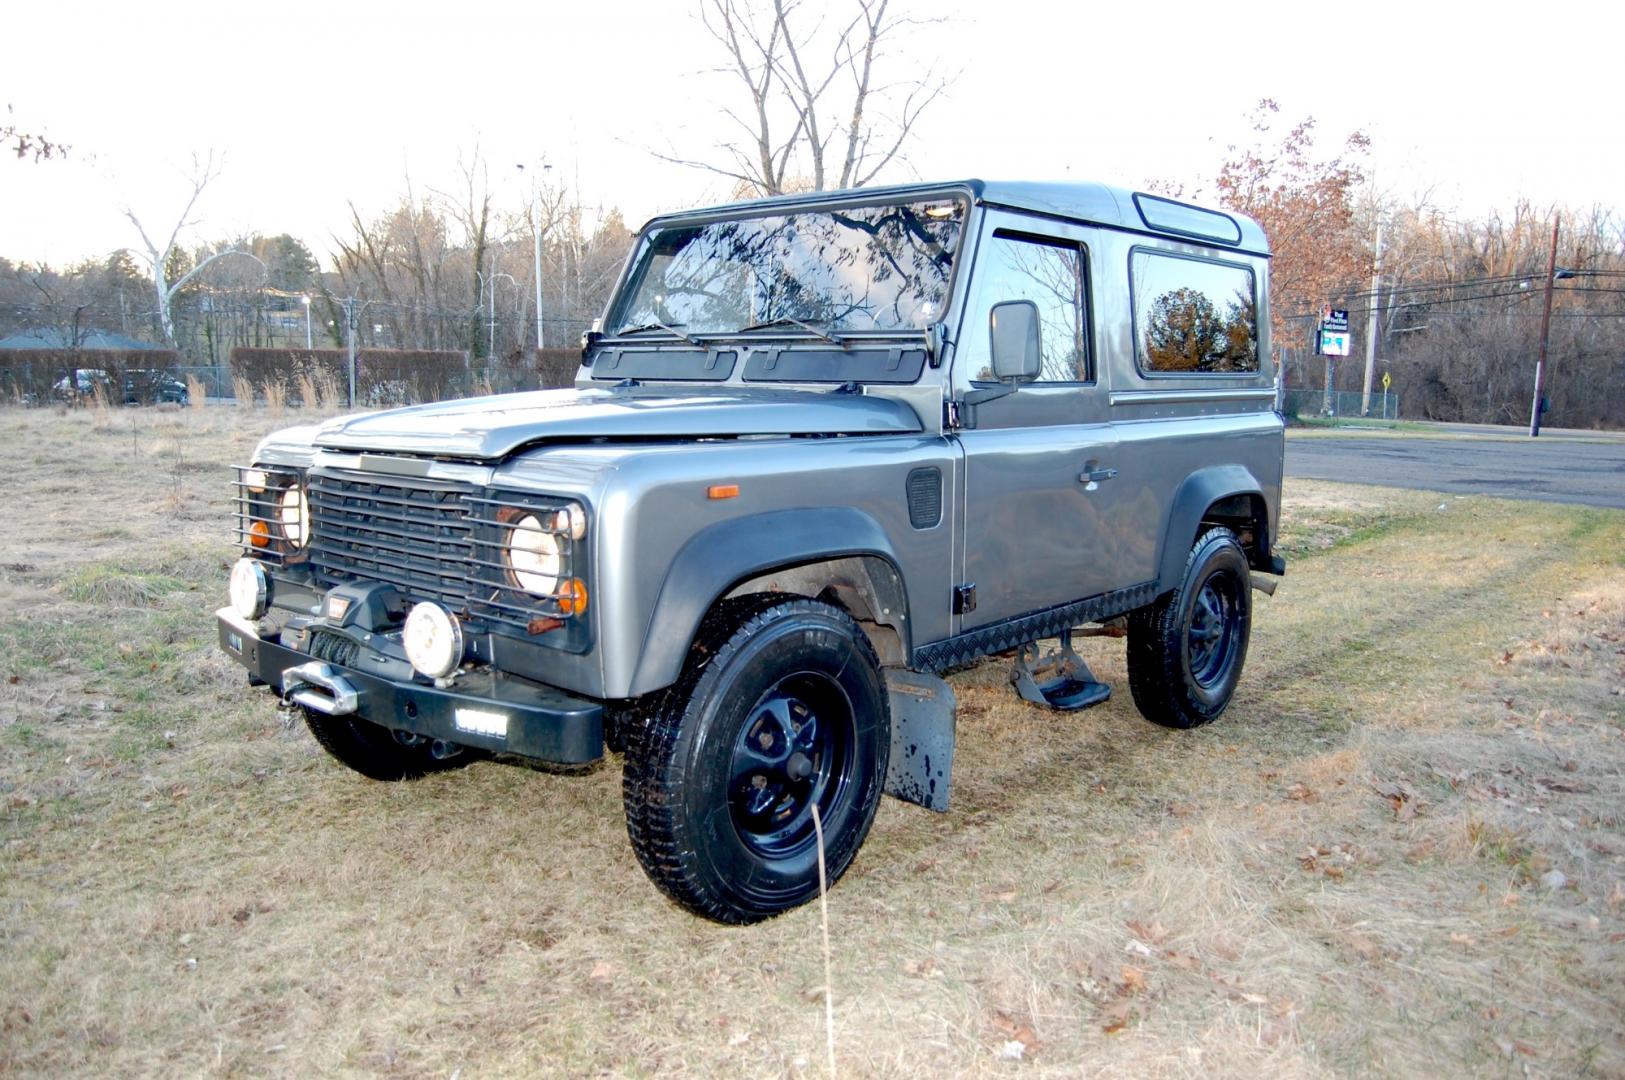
x,y
373,751
1186,650
688,814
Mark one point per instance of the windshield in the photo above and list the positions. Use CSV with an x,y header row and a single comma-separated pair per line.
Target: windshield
x,y
865,268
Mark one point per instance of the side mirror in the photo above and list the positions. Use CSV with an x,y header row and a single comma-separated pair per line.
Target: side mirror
x,y
1014,326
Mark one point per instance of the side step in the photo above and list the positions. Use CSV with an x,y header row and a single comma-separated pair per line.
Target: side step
x,y
1060,680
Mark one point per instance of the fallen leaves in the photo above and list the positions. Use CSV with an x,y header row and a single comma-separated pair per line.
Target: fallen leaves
x,y
1401,796
1116,1016
1332,862
1153,933
925,968
1017,1037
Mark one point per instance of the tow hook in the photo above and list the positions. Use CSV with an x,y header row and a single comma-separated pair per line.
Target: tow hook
x,y
319,686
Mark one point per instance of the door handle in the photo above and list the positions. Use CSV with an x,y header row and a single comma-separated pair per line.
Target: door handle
x,y
1095,475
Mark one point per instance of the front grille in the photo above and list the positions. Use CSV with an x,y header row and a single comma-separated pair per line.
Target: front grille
x,y
432,540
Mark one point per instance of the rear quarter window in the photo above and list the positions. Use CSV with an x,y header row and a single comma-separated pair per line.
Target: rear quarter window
x,y
1193,315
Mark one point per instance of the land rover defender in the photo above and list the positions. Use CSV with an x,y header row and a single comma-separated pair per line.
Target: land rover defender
x,y
824,449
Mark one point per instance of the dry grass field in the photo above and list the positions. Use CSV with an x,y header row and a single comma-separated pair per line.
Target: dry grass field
x,y
1401,851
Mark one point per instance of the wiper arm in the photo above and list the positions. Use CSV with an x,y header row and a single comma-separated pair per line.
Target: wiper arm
x,y
672,330
785,320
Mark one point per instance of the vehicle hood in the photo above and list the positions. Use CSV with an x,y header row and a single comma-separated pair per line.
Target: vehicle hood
x,y
493,427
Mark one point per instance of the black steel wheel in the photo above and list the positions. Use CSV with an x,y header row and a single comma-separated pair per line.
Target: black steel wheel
x,y
381,753
780,709
1186,650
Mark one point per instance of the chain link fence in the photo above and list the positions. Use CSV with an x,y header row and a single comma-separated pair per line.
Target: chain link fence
x,y
1343,403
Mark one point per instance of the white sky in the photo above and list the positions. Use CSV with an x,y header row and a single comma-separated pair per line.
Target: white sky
x,y
313,107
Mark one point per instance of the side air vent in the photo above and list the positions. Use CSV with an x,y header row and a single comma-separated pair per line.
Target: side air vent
x,y
925,497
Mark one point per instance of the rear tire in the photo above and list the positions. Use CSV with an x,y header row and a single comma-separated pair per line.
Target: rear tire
x,y
379,753
1186,650
780,707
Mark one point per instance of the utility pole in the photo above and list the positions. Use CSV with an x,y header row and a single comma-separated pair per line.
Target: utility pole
x,y
1371,324
349,341
1545,331
352,315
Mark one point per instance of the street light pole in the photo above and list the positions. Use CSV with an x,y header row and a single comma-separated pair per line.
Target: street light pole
x,y
1545,331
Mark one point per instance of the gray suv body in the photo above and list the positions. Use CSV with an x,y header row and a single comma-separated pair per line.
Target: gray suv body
x,y
824,449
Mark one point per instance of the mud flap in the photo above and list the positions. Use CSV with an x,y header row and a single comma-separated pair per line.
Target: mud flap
x,y
922,738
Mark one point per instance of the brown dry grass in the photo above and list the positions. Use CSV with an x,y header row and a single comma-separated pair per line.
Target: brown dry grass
x,y
1355,871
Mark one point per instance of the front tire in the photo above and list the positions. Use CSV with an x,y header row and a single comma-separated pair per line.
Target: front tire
x,y
1186,650
780,707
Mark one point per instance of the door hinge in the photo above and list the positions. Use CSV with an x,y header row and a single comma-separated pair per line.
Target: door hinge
x,y
964,599
950,414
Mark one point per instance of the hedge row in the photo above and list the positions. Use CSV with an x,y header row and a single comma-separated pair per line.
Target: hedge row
x,y
37,376
403,376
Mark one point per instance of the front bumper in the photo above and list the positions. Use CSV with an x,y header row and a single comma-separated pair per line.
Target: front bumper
x,y
484,709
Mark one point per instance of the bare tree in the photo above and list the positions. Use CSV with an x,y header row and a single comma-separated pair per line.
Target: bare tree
x,y
159,259
28,144
819,114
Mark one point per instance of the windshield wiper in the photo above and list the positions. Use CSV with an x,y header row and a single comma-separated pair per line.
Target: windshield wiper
x,y
785,320
668,328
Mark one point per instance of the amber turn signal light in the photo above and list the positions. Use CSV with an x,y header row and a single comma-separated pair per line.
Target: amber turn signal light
x,y
573,597
722,491
259,534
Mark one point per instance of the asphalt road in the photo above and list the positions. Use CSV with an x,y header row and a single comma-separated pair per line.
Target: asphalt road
x,y
1552,470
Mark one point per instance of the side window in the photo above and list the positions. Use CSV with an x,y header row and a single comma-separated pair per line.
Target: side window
x,y
1050,273
1193,315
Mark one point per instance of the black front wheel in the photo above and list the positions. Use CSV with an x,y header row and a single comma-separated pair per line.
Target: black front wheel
x,y
1186,650
381,753
781,709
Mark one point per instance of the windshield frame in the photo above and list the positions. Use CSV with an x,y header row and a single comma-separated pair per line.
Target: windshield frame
x,y
780,206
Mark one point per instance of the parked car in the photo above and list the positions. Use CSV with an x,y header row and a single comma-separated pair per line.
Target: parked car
x,y
150,387
137,386
826,448
83,383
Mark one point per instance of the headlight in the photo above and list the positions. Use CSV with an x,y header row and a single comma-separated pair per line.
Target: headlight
x,y
293,509
433,640
250,589
534,556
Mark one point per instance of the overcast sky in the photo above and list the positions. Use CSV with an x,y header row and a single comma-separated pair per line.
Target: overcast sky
x,y
315,106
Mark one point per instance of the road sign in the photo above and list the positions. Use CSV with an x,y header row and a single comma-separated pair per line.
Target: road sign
x,y
1333,343
1387,381
1336,319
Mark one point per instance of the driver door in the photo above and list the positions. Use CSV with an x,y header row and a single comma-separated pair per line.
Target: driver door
x,y
1039,495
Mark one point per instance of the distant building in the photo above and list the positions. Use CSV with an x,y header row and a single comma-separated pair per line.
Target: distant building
x,y
62,341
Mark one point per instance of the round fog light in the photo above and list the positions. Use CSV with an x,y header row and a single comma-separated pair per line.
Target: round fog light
x,y
250,589
433,639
